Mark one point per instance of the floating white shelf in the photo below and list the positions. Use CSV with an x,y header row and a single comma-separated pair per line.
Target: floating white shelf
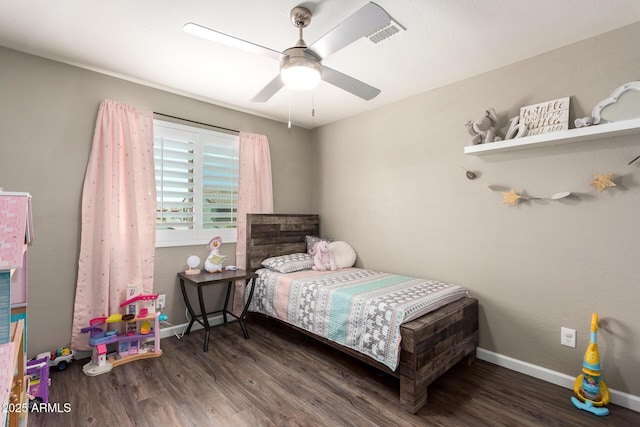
x,y
602,131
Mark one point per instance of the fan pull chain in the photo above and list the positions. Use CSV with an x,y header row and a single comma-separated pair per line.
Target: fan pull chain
x,y
313,103
289,125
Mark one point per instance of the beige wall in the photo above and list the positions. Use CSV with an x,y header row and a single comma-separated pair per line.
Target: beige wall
x,y
48,113
392,184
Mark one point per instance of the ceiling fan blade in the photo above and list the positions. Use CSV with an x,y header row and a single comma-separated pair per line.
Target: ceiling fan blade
x,y
218,37
365,21
269,90
349,84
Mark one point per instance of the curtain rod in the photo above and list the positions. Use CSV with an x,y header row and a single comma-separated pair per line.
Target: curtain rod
x,y
199,123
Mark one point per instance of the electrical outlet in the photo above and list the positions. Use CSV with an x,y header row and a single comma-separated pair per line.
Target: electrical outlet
x,y
568,337
160,303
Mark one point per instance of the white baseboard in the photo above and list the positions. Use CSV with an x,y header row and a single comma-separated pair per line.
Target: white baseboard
x,y
170,331
620,398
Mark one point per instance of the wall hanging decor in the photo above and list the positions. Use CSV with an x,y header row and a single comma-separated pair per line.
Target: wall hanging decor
x,y
600,182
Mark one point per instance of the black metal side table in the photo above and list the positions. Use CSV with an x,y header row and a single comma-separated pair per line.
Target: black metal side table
x,y
204,279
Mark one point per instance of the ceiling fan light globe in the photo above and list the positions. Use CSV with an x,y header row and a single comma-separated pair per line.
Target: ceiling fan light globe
x,y
300,77
299,70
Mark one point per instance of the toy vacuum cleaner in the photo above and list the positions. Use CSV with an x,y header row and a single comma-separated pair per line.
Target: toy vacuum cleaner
x,y
592,393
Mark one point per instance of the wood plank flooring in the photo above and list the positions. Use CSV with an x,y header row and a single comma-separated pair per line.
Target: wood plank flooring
x,y
279,377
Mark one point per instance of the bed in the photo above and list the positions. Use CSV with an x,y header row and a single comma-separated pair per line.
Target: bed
x,y
429,345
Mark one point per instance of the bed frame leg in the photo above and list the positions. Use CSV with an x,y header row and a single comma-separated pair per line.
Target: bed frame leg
x,y
413,393
413,396
468,359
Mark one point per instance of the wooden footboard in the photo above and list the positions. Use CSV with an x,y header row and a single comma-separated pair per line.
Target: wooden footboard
x,y
430,345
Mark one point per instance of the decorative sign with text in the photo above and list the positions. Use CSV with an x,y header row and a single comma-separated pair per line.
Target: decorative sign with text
x,y
549,116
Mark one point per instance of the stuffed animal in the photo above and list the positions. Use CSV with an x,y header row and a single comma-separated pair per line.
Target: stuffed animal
x,y
484,129
583,121
213,263
322,257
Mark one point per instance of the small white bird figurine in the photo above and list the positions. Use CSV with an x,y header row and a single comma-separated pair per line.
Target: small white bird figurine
x,y
213,263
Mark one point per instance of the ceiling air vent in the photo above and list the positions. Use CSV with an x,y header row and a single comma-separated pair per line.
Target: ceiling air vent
x,y
386,32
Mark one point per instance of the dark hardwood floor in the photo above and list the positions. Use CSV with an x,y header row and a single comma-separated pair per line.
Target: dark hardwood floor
x,y
279,377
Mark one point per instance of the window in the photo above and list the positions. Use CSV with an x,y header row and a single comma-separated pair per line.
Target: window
x,y
196,184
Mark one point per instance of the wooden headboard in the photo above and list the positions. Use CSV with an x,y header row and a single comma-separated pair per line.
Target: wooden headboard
x,y
277,234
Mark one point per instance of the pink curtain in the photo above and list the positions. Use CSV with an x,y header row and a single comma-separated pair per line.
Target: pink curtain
x,y
255,195
117,244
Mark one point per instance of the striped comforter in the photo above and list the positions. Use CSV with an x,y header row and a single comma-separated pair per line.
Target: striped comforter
x,y
360,309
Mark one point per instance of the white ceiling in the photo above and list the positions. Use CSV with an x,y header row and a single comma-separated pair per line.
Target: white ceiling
x,y
445,41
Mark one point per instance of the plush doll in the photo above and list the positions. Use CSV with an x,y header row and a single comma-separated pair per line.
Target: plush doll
x,y
213,263
583,121
484,129
322,257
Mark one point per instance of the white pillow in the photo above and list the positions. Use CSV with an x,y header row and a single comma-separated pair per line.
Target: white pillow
x,y
343,254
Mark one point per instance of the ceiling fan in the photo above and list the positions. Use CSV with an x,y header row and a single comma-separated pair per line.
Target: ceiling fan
x,y
301,65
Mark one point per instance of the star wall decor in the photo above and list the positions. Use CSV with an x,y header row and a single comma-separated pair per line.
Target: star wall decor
x,y
511,197
602,181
